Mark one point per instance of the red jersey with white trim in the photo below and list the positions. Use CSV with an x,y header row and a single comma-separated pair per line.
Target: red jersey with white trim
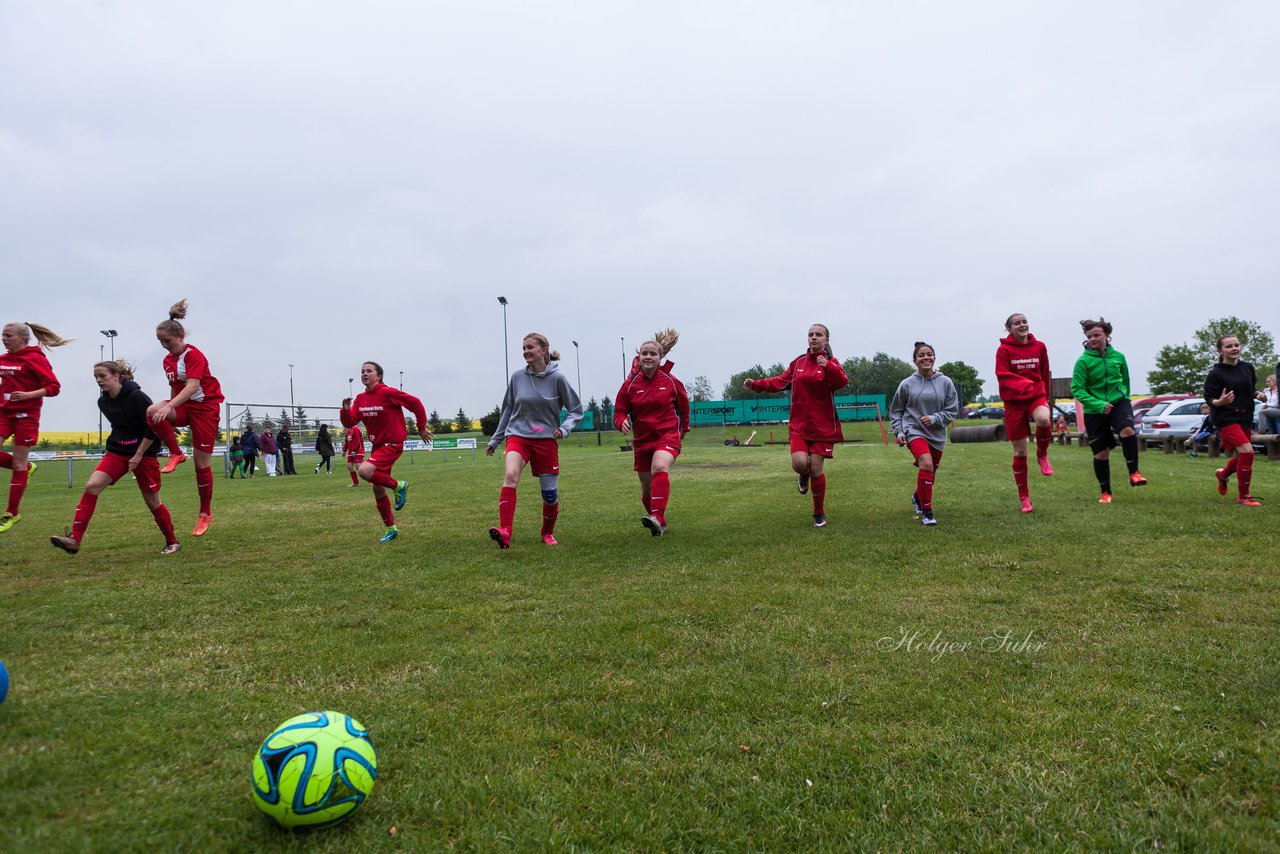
x,y
1022,370
658,408
191,364
383,417
813,404
353,441
26,370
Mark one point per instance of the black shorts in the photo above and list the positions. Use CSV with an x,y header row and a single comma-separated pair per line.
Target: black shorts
x,y
1103,429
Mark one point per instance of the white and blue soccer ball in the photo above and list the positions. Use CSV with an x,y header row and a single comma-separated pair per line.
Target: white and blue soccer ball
x,y
315,770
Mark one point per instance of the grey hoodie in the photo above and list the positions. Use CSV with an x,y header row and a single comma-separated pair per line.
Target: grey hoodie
x,y
531,407
917,397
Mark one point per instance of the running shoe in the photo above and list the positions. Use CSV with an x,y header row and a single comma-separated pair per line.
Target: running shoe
x,y
1026,504
390,535
1191,453
501,536
819,520
171,548
1105,498
7,521
402,494
1136,479
173,463
67,544
926,518
802,484
31,470
1045,468
1218,473
549,540
655,525
202,525
1248,501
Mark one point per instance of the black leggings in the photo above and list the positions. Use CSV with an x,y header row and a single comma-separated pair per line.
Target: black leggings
x,y
324,461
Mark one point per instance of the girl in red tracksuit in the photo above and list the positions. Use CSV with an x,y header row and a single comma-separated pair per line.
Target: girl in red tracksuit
x,y
195,398
814,378
1022,372
353,447
26,379
656,405
380,408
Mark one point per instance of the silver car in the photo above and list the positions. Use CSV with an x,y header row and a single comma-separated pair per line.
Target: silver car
x,y
1171,418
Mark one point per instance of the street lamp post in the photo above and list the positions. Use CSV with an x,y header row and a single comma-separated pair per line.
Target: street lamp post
x,y
506,363
111,336
578,355
294,412
101,347
350,380
402,380
624,357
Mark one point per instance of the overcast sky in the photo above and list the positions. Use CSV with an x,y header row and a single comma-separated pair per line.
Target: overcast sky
x,y
335,182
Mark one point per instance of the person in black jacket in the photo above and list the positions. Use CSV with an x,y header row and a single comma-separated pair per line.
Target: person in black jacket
x,y
1230,388
249,444
131,447
285,443
324,447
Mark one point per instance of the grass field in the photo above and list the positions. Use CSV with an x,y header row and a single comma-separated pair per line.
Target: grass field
x,y
1084,677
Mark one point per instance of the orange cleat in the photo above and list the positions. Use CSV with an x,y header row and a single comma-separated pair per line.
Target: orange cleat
x,y
1105,498
1136,479
1248,501
173,463
1222,481
202,525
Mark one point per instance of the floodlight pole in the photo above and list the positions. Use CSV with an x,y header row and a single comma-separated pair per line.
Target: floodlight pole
x,y
624,357
506,361
293,414
101,347
578,354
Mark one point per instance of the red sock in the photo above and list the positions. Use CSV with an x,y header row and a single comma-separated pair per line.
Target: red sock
x,y
818,489
549,514
1244,473
381,478
506,507
204,486
1020,476
165,523
84,512
660,494
17,486
1230,468
165,433
924,489
6,460
384,509
355,478
1044,437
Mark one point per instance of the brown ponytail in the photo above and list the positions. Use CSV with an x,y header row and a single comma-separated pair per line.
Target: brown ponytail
x,y
177,312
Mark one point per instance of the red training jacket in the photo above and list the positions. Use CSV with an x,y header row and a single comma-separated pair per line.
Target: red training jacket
x,y
658,407
813,405
26,370
383,417
1022,370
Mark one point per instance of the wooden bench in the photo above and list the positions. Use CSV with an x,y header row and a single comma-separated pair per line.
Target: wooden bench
x,y
1270,442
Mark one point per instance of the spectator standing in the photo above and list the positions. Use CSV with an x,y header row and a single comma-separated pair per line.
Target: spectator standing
x,y
250,444
324,447
236,452
285,443
270,453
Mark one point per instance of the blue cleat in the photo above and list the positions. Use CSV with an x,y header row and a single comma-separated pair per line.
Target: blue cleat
x,y
390,535
402,494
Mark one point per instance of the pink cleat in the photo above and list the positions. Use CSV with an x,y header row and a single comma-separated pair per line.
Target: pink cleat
x,y
549,540
1045,468
1026,504
501,536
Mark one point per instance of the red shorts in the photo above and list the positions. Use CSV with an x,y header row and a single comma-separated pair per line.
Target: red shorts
x,y
1017,417
355,459
24,427
147,471
384,457
804,446
644,459
1234,435
203,421
542,454
919,447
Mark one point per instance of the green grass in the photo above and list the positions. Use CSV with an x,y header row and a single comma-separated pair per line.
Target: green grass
x,y
726,687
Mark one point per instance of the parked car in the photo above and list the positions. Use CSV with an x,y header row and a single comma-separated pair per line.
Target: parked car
x,y
1170,418
1143,406
987,412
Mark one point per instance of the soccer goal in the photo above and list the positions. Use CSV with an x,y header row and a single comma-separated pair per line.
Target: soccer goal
x,y
863,412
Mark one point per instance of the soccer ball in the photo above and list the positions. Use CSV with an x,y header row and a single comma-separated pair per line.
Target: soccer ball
x,y
314,770
4,682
